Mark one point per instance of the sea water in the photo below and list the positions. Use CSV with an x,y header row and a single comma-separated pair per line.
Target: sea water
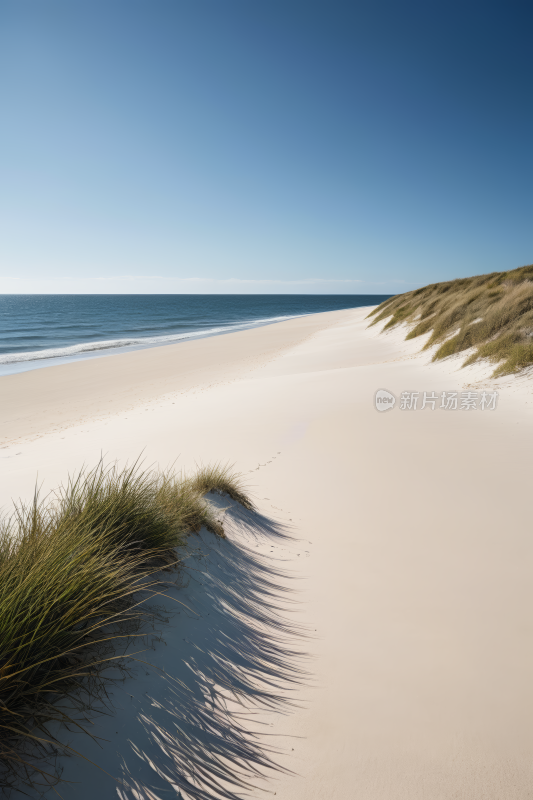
x,y
40,330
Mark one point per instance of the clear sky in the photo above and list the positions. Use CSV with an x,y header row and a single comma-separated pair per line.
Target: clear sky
x,y
263,145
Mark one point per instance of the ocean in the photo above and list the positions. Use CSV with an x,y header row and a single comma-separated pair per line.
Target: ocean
x,y
41,330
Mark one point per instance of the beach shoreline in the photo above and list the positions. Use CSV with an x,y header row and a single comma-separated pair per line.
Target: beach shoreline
x,y
107,383
410,550
48,330
22,362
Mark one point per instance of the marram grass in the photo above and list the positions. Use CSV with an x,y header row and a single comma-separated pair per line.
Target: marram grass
x,y
492,315
69,571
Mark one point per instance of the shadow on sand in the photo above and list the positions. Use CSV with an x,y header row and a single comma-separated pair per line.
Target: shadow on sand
x,y
227,654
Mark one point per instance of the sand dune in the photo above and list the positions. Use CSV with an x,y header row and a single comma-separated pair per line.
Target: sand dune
x,y
406,542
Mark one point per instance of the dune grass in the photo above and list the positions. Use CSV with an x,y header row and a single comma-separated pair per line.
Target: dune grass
x,y
220,480
493,314
70,568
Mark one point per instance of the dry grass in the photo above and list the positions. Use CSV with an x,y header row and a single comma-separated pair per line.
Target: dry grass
x,y
69,571
491,313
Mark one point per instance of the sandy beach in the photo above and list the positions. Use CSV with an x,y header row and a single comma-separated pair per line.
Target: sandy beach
x,y
406,543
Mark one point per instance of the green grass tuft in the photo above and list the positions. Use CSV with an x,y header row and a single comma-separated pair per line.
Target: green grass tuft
x,y
69,571
218,478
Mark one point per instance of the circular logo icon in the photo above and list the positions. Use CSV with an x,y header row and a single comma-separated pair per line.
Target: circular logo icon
x,y
384,400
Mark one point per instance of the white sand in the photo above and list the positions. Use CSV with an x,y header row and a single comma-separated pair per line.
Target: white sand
x,y
412,531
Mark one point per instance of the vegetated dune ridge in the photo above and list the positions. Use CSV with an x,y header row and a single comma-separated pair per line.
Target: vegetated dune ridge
x,y
406,534
491,313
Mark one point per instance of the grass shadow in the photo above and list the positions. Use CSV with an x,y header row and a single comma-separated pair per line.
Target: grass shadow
x,y
224,656
244,654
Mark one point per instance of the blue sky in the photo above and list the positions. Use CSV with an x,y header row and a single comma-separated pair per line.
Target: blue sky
x,y
263,145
